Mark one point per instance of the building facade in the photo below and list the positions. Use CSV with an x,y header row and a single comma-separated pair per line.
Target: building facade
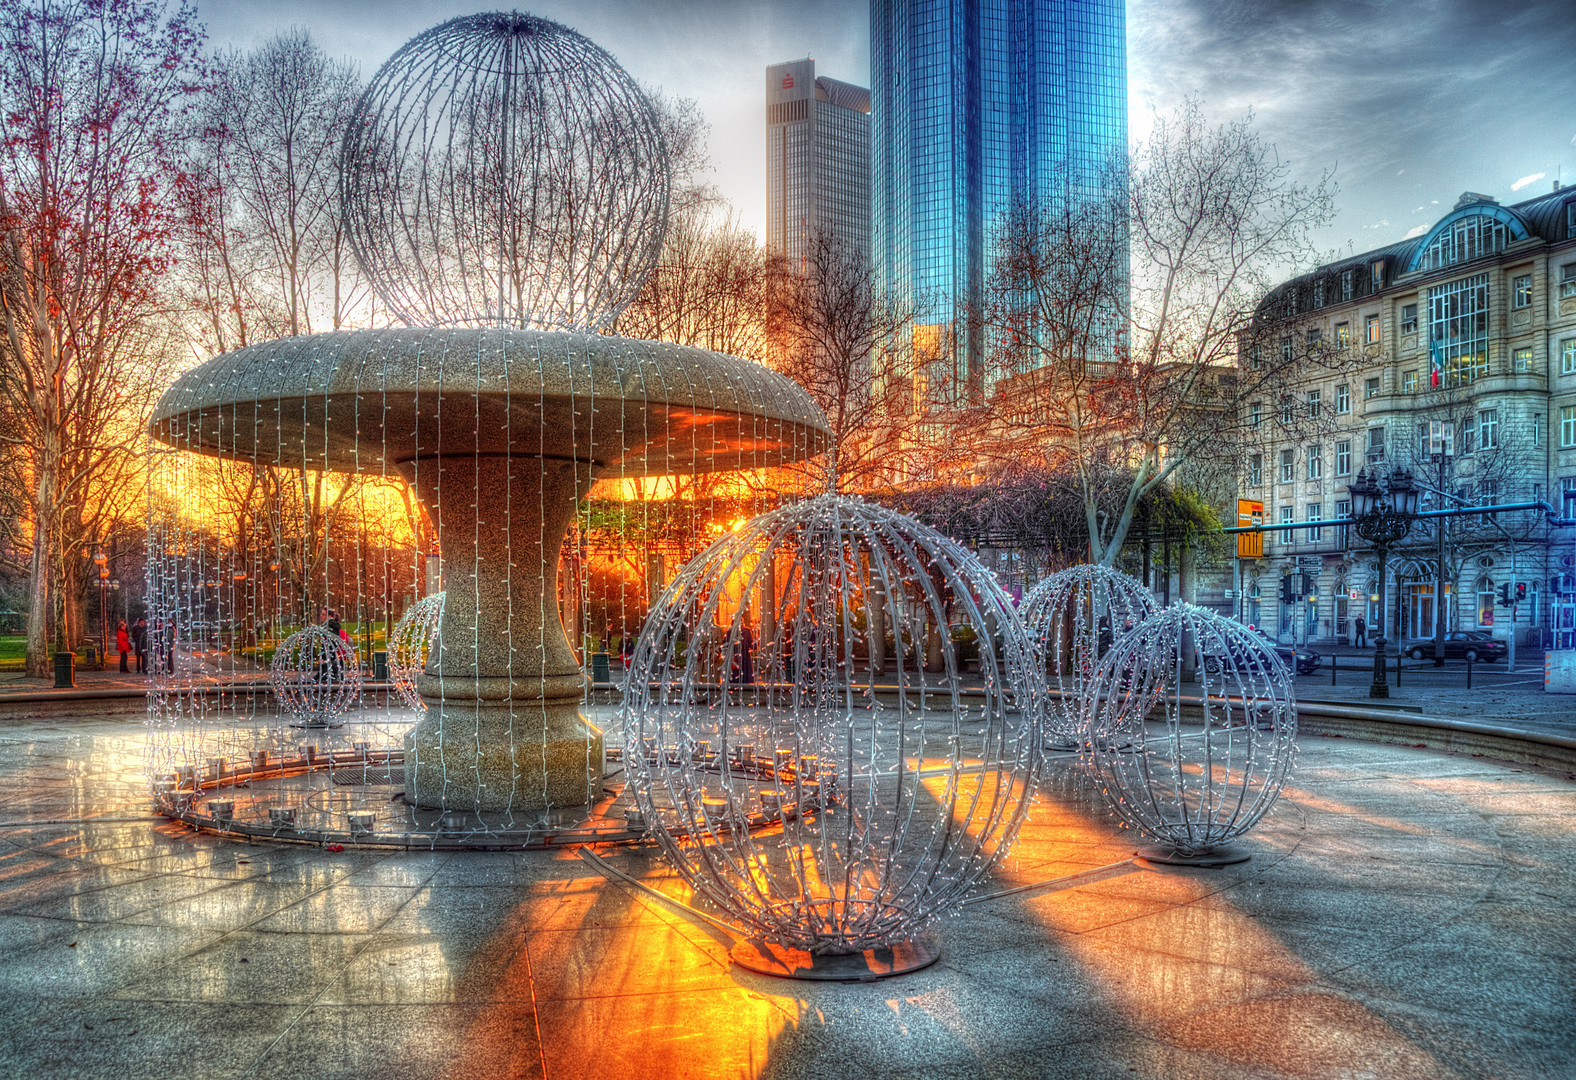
x,y
977,103
817,160
1451,355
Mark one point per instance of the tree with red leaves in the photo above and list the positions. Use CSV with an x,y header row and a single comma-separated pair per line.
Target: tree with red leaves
x,y
92,96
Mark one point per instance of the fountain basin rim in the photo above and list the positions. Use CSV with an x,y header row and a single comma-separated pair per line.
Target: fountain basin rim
x,y
642,392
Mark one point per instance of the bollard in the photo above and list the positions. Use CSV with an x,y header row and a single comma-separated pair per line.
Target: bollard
x,y
1335,662
1398,669
1469,673
65,670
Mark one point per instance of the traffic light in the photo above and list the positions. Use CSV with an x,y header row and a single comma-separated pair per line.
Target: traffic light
x,y
1521,592
1504,594
1288,589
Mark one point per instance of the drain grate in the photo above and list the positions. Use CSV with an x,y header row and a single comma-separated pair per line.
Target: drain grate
x,y
379,776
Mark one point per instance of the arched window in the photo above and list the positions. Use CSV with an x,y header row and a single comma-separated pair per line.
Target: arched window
x,y
1470,233
1485,601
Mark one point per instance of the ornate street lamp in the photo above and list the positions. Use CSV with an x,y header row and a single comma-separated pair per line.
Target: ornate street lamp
x,y
1383,511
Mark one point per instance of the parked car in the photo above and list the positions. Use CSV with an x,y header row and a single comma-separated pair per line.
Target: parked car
x,y
1304,660
1479,646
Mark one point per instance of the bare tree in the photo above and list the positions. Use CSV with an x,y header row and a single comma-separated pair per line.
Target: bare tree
x,y
266,252
1138,383
834,331
707,287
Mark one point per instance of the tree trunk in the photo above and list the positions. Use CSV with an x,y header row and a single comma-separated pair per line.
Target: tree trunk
x,y
1187,592
39,659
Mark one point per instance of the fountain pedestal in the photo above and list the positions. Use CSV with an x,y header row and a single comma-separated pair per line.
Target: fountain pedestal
x,y
503,728
499,432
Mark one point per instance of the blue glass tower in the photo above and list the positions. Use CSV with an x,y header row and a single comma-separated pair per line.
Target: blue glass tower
x,y
977,103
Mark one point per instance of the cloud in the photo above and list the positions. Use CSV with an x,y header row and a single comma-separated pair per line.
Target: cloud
x,y
1379,224
1416,230
1315,67
1525,180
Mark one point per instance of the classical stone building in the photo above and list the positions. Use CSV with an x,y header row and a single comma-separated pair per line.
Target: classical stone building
x,y
1453,355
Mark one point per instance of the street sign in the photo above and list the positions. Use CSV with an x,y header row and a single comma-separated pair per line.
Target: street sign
x,y
1310,562
1250,513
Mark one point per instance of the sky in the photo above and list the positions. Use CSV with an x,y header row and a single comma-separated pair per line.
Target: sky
x,y
1406,104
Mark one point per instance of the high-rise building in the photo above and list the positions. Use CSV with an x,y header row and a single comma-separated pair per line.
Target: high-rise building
x,y
817,159
977,103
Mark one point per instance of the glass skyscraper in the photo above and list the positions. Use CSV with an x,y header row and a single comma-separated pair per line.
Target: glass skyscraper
x,y
817,160
976,103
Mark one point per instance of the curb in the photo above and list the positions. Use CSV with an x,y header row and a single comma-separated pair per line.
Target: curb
x,y
1390,726
1538,748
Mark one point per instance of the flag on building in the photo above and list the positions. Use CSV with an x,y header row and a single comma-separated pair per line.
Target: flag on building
x,y
1436,366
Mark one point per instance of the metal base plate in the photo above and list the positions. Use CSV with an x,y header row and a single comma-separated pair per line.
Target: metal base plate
x,y
784,962
1221,856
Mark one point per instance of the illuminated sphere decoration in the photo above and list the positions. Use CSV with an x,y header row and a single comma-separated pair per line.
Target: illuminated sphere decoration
x,y
1191,765
1073,618
502,170
413,638
797,735
315,677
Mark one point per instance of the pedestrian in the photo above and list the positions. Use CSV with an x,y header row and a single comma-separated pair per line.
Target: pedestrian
x,y
167,646
1360,633
745,661
336,662
139,642
123,643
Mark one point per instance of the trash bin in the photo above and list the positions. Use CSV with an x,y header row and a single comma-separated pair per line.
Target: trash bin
x,y
380,666
65,670
601,670
90,656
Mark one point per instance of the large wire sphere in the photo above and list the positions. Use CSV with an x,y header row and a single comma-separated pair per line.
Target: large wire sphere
x,y
503,170
1192,765
1073,618
413,638
824,805
315,676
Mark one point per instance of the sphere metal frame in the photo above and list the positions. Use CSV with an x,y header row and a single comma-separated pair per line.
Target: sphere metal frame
x,y
772,685
1074,617
502,170
1191,766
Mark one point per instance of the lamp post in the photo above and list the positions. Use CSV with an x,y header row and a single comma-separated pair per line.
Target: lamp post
x,y
102,561
1383,510
1441,530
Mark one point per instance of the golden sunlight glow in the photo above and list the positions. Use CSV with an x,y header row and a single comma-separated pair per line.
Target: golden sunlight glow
x,y
1173,952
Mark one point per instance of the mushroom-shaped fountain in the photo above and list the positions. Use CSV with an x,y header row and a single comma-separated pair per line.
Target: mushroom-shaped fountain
x,y
505,183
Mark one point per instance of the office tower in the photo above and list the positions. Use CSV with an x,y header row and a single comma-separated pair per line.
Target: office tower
x,y
977,103
817,159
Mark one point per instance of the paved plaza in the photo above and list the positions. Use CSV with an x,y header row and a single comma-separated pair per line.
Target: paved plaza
x,y
1406,913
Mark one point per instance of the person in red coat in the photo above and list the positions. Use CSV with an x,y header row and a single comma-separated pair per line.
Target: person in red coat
x,y
123,643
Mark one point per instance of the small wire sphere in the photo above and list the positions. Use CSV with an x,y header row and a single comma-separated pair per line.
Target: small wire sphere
x,y
1191,765
503,170
1074,617
413,638
797,735
315,677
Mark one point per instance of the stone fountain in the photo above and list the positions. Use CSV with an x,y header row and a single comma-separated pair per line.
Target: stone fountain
x,y
498,420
